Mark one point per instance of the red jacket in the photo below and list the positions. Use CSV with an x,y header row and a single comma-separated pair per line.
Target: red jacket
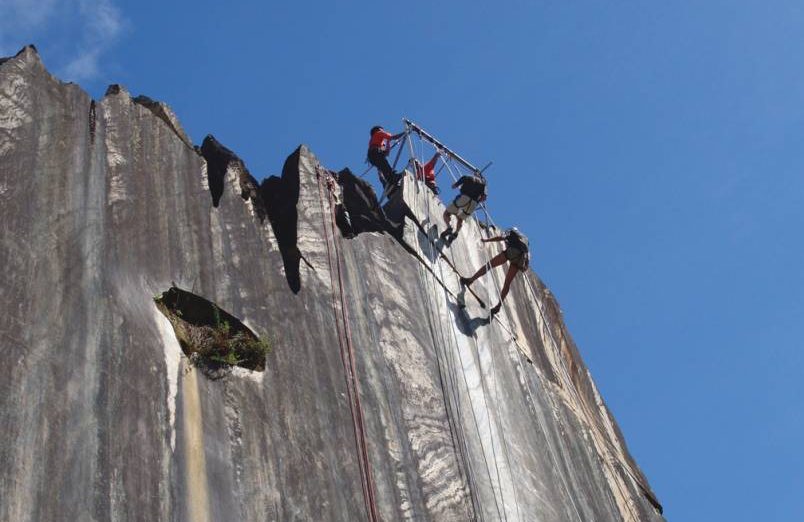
x,y
427,172
379,140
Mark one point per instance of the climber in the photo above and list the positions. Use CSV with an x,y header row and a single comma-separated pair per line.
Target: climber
x,y
378,149
516,252
426,172
473,192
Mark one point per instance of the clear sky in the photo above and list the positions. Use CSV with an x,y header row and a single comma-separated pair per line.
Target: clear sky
x,y
651,150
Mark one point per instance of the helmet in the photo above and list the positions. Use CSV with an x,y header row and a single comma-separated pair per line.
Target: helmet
x,y
375,129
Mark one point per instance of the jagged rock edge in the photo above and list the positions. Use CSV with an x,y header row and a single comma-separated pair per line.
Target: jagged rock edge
x,y
160,110
32,47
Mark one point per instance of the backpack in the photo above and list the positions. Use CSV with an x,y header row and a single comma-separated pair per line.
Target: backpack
x,y
474,187
517,240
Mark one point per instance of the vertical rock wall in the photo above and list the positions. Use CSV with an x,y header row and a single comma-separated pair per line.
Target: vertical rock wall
x,y
105,204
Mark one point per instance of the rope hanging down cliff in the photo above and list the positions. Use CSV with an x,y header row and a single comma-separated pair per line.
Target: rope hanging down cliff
x,y
347,351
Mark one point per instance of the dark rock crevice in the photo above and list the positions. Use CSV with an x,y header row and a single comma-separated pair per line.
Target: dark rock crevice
x,y
366,214
219,160
114,89
92,121
361,202
275,198
281,194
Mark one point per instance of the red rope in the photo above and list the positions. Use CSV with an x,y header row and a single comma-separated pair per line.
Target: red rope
x,y
348,358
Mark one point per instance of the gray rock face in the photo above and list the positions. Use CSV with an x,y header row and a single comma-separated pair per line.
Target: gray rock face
x,y
382,399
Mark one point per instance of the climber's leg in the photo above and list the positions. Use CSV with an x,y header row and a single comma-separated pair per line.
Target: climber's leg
x,y
495,261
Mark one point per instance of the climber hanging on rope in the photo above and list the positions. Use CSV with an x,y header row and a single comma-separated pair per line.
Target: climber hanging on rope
x,y
516,253
426,172
380,145
473,192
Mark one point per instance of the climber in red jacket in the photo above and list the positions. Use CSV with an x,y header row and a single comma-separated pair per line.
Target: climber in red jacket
x,y
378,148
516,253
426,172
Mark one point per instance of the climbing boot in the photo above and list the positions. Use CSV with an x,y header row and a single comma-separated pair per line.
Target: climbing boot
x,y
496,309
465,281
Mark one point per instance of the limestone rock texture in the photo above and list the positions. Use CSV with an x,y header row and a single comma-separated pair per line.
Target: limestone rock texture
x,y
382,398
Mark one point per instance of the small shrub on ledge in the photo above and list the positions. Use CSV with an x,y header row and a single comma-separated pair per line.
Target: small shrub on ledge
x,y
212,338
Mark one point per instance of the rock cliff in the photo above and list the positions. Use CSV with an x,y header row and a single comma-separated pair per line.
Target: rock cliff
x,y
381,397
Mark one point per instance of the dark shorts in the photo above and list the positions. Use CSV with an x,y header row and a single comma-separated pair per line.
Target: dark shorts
x,y
517,257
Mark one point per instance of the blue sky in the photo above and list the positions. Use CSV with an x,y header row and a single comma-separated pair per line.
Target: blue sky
x,y
651,151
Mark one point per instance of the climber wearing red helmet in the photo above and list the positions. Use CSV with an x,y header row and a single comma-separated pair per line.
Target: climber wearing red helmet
x,y
378,148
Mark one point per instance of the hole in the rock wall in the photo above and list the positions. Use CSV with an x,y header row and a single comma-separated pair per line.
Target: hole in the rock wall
x,y
212,338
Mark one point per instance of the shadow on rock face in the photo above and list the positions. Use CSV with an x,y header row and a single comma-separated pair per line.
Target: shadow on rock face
x,y
217,157
361,202
219,160
429,243
281,196
275,198
466,325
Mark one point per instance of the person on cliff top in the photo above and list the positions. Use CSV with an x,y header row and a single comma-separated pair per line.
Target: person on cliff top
x,y
426,172
516,253
378,148
473,192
